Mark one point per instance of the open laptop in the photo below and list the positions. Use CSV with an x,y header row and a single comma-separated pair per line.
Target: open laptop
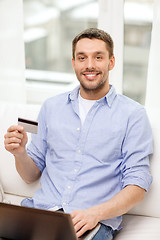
x,y
23,223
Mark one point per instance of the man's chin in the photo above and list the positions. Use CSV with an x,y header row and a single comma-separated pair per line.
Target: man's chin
x,y
90,87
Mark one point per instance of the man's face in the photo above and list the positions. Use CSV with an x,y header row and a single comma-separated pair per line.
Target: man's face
x,y
92,64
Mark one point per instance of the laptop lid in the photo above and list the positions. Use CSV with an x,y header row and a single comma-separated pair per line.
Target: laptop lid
x,y
23,223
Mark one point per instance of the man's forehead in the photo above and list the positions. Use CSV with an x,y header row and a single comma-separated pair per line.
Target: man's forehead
x,y
90,45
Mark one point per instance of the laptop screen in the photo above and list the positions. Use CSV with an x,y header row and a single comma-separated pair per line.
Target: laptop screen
x,y
23,223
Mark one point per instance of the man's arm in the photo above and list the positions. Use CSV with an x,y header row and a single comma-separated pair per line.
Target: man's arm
x,y
120,204
26,168
15,142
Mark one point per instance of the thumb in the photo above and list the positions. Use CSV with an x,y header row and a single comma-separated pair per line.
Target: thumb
x,y
24,139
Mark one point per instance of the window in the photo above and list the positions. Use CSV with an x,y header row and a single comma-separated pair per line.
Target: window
x,y
49,27
138,16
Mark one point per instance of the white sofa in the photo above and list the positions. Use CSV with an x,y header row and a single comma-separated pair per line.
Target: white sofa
x,y
142,222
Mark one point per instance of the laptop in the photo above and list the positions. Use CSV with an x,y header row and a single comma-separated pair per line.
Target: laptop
x,y
23,223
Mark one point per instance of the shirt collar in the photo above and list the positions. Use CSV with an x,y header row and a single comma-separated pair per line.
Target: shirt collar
x,y
73,94
109,97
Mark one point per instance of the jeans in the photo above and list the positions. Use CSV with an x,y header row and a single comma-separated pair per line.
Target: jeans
x,y
104,233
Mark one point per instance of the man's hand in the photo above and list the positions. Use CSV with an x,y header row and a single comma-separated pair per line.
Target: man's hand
x,y
84,220
15,140
120,204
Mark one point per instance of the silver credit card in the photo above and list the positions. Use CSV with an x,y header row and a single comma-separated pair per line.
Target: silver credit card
x,y
29,125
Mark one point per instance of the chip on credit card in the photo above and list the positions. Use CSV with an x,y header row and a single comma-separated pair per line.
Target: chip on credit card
x,y
28,125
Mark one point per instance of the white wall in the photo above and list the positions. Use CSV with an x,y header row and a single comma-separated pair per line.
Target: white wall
x,y
153,81
111,20
12,65
12,82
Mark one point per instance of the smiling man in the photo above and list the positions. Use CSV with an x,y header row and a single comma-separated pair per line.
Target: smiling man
x,y
92,61
92,148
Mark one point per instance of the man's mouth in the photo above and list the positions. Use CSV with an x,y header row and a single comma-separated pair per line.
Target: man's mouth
x,y
91,76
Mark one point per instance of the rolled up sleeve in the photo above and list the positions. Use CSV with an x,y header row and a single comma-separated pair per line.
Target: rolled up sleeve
x,y
38,146
136,149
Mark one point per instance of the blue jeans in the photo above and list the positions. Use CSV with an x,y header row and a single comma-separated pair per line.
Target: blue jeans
x,y
104,233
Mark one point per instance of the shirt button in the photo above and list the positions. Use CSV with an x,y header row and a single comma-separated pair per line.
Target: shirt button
x,y
78,129
79,151
75,170
69,187
64,203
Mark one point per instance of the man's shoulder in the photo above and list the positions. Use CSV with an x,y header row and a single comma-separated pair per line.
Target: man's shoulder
x,y
54,103
129,105
60,98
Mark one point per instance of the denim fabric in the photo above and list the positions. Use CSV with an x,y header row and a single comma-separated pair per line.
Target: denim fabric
x,y
104,233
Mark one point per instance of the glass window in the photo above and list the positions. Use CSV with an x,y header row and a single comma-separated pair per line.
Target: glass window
x,y
138,16
49,27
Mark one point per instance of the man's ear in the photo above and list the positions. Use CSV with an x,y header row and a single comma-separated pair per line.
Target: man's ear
x,y
73,63
112,63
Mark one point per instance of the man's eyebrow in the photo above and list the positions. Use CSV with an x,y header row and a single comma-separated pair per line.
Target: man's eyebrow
x,y
80,53
83,53
100,52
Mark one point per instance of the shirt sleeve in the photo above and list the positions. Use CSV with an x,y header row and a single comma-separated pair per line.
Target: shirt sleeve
x,y
136,148
38,147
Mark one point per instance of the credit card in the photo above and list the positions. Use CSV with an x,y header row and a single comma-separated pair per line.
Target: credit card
x,y
29,125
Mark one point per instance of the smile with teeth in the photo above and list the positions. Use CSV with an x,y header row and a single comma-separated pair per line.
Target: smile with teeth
x,y
90,75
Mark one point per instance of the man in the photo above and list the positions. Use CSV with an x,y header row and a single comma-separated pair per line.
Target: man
x,y
92,148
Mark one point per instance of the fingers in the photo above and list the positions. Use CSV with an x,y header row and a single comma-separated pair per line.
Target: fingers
x,y
15,128
13,137
82,230
83,220
79,226
80,222
14,134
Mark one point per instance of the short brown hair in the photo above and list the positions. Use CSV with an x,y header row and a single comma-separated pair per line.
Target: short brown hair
x,y
94,33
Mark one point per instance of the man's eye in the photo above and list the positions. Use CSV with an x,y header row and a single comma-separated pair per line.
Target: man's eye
x,y
98,57
81,58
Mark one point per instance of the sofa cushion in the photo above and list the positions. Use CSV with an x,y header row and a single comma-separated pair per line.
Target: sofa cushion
x,y
13,199
139,228
1,193
13,184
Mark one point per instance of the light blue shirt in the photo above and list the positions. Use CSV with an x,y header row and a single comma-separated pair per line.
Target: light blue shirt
x,y
87,165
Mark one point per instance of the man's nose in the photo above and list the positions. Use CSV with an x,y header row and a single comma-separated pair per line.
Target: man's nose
x,y
90,63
